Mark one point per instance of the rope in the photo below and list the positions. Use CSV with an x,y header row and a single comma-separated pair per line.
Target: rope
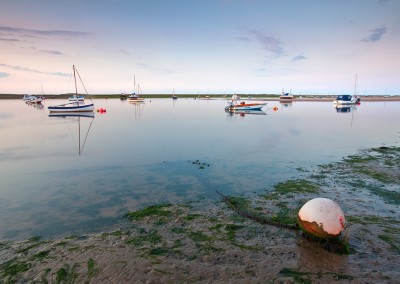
x,y
255,217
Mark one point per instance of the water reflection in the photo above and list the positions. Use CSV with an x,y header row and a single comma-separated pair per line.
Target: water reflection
x,y
345,109
243,113
286,104
138,109
46,189
77,116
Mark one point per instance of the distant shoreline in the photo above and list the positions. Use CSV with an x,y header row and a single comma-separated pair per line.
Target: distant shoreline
x,y
265,97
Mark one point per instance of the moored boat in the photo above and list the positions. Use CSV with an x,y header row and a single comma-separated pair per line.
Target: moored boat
x,y
286,97
134,97
71,107
74,106
346,100
245,106
34,100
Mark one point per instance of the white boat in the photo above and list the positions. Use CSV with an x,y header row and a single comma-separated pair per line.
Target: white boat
x,y
74,106
135,98
174,97
243,105
34,100
348,99
76,98
69,107
286,96
27,97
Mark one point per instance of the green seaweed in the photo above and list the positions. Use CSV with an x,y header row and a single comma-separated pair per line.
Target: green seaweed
x,y
231,230
305,277
153,237
67,274
199,236
295,186
190,217
178,230
40,255
153,210
12,268
391,241
91,271
159,251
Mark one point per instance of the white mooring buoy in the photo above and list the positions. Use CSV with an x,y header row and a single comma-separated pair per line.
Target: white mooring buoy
x,y
322,218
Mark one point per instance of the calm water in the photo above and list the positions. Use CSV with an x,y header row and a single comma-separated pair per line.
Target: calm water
x,y
139,154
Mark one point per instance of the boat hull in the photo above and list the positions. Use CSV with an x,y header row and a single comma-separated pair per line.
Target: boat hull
x,y
246,107
73,108
338,102
89,114
135,100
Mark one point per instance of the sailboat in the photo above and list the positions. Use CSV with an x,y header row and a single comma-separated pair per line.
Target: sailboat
x,y
174,97
76,105
348,99
134,98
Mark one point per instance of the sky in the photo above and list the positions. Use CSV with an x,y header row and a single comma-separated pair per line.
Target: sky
x,y
201,46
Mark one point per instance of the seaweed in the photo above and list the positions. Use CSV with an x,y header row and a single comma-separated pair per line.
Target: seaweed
x,y
153,210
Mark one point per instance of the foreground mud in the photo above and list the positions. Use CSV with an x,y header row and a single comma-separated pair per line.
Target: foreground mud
x,y
177,243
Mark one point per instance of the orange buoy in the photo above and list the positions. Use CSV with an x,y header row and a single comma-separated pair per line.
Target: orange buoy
x,y
275,108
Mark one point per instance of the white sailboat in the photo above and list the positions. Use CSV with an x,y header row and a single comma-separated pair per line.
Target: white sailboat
x,y
348,99
174,97
76,105
134,98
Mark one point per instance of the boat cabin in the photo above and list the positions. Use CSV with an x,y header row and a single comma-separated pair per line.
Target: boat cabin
x,y
345,98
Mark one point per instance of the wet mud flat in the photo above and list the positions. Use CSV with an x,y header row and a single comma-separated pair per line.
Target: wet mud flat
x,y
180,243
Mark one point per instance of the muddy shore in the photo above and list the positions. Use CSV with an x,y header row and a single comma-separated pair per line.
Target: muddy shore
x,y
179,243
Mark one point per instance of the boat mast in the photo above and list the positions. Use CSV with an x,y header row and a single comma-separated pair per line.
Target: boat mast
x,y
79,128
355,86
76,88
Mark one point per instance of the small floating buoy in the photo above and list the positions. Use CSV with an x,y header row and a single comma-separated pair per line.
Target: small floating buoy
x,y
322,218
275,108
